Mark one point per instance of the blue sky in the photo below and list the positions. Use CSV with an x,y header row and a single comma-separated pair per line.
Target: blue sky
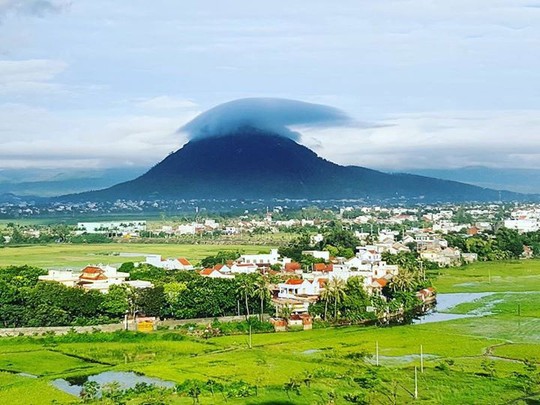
x,y
107,83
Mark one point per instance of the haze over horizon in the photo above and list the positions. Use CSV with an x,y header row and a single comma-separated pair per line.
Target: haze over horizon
x,y
98,85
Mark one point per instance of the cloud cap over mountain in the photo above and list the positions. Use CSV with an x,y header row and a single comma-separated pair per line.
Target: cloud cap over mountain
x,y
274,115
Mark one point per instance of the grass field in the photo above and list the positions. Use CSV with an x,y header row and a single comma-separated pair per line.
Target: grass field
x,y
517,275
275,358
62,255
454,351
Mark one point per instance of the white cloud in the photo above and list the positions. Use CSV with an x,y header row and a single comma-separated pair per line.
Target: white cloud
x,y
167,103
444,139
30,76
37,137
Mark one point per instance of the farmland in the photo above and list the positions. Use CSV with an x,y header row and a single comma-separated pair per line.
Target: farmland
x,y
469,360
79,255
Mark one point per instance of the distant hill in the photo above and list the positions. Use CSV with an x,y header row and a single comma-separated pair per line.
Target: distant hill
x,y
255,164
54,182
517,180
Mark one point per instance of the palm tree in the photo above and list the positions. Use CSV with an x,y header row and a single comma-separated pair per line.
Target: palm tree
x,y
244,289
326,295
405,280
337,291
262,291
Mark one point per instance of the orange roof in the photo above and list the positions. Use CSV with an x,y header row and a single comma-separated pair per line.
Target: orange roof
x,y
292,266
92,269
184,261
322,282
206,272
323,267
218,266
294,281
381,281
93,274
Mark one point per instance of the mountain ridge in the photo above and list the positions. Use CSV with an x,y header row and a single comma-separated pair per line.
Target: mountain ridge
x,y
255,164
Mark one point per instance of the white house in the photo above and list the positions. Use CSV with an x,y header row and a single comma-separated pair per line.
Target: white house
x,y
98,278
244,268
261,259
294,287
180,263
131,228
318,254
65,277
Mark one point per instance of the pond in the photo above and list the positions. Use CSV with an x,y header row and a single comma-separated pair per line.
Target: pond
x,y
446,302
125,379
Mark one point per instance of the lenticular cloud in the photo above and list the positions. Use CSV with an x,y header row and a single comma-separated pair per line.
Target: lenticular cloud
x,y
270,114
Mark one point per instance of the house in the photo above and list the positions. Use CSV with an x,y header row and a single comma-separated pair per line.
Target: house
x,y
443,257
244,268
426,295
101,278
292,267
322,267
65,277
267,259
296,305
213,273
180,263
294,287
318,254
111,228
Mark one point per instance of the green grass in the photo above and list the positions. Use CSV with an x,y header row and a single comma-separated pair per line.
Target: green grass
x,y
41,363
61,255
503,336
518,275
277,357
16,389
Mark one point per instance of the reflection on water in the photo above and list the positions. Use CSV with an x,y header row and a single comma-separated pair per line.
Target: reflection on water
x,y
74,385
446,302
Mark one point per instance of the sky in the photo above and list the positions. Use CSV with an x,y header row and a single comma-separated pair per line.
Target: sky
x,y
439,84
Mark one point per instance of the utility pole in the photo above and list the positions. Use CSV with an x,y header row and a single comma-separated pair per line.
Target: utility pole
x,y
421,359
415,382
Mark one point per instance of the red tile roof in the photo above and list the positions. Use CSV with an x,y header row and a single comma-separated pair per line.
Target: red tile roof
x,y
292,266
184,261
323,267
294,281
381,281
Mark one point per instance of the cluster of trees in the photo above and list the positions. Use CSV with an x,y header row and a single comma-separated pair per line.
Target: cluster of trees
x,y
502,245
24,301
336,239
349,301
59,233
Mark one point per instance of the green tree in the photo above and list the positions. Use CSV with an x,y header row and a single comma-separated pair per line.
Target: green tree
x,y
245,288
337,288
262,291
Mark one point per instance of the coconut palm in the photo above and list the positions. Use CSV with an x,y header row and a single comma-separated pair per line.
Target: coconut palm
x,y
326,295
244,289
405,280
262,291
337,289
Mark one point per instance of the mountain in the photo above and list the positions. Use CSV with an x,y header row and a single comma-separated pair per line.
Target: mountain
x,y
255,164
53,182
518,180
